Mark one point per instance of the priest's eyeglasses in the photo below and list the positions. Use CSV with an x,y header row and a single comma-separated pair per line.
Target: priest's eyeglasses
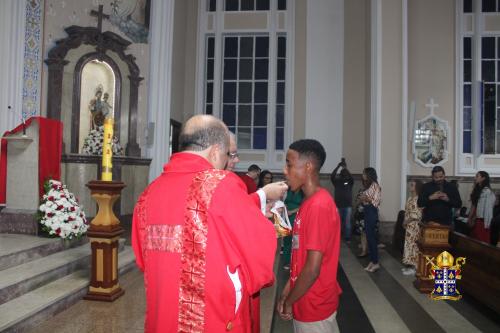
x,y
232,155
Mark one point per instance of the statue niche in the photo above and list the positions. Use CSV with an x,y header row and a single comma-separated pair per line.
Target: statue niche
x,y
90,66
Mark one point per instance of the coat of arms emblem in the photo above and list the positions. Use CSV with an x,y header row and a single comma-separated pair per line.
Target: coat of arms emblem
x,y
445,276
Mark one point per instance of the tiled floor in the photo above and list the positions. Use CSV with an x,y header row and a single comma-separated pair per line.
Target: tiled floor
x,y
385,301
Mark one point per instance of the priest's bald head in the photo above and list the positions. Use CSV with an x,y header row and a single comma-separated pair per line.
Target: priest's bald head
x,y
207,137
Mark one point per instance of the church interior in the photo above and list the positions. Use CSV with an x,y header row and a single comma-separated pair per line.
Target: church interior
x,y
93,95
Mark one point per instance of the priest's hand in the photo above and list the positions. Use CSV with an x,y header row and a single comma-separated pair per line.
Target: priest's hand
x,y
275,191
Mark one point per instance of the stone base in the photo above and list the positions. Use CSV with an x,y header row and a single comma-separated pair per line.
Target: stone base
x,y
14,221
104,297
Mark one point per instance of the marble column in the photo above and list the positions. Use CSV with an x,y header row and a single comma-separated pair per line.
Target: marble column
x,y
133,148
12,28
160,82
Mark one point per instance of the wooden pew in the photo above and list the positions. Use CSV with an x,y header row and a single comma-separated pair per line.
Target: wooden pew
x,y
481,272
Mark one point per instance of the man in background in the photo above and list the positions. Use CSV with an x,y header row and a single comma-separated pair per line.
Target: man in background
x,y
251,177
343,184
438,198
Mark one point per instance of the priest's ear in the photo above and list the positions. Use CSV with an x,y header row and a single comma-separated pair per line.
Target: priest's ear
x,y
217,156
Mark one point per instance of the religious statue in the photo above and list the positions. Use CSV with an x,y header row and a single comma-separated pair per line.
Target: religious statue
x,y
100,108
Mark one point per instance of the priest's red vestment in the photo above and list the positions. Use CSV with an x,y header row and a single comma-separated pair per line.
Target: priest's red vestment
x,y
194,228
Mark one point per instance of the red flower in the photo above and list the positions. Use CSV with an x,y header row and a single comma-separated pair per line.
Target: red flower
x,y
51,198
72,209
58,231
50,214
59,207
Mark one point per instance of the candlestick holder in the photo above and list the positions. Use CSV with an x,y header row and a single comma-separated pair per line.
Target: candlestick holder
x,y
104,234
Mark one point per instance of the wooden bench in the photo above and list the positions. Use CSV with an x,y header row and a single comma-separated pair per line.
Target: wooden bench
x,y
481,272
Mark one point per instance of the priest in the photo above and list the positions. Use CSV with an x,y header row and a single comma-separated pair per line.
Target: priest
x,y
203,244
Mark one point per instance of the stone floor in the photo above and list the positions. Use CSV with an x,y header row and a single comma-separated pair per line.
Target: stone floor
x,y
385,301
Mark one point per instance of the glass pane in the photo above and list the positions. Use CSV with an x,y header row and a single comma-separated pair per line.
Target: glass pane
x,y
467,48
489,5
498,143
498,119
488,47
230,66
210,69
467,142
247,4
281,4
262,47
244,138
467,70
261,69
498,71
208,109
231,5
498,94
231,47
281,69
229,114
260,95
232,129
245,92
262,4
210,47
280,138
281,47
260,115
244,115
246,68
246,47
489,114
467,95
229,93
467,6
259,138
280,115
467,118
212,5
280,93
488,70
210,92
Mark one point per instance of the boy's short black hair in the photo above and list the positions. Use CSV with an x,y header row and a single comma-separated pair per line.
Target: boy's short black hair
x,y
312,149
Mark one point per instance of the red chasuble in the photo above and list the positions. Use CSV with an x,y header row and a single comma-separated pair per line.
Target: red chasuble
x,y
192,227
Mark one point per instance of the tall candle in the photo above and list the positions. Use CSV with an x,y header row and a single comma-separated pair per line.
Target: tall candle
x,y
107,151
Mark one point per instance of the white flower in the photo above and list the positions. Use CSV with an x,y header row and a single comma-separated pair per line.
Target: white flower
x,y
61,214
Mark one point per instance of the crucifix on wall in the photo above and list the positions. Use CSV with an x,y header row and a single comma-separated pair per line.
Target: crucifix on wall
x,y
100,15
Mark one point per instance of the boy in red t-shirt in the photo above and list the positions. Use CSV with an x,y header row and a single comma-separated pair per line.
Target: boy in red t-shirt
x,y
311,295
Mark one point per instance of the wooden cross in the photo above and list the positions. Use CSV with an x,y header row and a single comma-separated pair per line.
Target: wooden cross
x,y
431,105
99,14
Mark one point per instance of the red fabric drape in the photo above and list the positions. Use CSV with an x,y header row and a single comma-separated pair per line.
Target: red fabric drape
x,y
49,153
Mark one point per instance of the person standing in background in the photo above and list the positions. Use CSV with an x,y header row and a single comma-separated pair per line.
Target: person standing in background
x,y
251,177
482,203
370,199
438,198
343,184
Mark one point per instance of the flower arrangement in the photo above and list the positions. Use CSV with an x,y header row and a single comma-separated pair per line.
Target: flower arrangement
x,y
59,213
92,145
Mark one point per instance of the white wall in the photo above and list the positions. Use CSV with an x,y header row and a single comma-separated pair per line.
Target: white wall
x,y
324,76
12,19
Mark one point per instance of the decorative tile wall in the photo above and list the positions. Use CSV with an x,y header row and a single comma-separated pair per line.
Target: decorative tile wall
x,y
32,58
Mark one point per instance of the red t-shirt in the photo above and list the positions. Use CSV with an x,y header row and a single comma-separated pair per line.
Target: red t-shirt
x,y
249,182
317,227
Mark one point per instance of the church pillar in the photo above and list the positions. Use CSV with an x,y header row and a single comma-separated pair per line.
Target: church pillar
x,y
161,35
387,116
12,30
55,80
133,148
324,79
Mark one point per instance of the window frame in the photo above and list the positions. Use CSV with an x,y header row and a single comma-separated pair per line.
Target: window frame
x,y
212,24
467,164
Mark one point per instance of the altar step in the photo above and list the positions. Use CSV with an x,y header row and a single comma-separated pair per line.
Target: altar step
x,y
41,277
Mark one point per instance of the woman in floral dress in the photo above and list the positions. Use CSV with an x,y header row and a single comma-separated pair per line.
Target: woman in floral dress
x,y
413,215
